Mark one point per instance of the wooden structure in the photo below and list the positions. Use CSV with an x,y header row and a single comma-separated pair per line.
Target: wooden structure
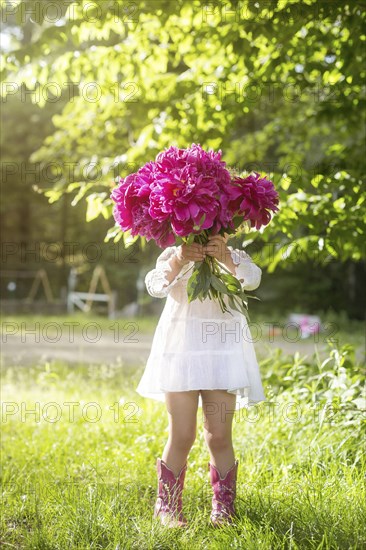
x,y
75,298
40,278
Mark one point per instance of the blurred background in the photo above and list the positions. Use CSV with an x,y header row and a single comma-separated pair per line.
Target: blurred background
x,y
93,90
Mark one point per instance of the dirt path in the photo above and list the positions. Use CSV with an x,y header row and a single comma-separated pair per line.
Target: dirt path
x,y
132,350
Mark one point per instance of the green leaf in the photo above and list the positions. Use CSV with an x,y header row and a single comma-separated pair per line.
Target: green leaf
x,y
128,239
219,285
231,280
112,233
194,286
95,205
206,277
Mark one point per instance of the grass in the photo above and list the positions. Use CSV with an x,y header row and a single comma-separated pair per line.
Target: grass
x,y
79,471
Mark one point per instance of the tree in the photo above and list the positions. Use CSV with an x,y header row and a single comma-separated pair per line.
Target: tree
x,y
278,86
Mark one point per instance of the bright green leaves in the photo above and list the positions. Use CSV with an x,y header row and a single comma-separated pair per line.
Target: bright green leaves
x,y
219,285
195,283
232,283
207,281
276,86
96,205
199,282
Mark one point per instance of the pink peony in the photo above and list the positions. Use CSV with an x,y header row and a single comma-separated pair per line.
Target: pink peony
x,y
255,197
190,191
131,211
187,191
190,183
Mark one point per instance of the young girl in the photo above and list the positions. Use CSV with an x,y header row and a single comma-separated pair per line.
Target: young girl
x,y
200,357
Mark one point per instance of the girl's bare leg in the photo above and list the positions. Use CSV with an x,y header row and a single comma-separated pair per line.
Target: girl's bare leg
x,y
218,408
182,414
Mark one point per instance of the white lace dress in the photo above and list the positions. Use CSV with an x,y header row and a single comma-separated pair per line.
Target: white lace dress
x,y
196,346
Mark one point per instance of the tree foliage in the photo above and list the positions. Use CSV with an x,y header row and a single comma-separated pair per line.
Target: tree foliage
x,y
278,86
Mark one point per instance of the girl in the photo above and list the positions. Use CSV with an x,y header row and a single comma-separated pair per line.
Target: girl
x,y
200,357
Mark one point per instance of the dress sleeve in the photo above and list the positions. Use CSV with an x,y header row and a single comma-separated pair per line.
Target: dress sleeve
x,y
156,282
247,272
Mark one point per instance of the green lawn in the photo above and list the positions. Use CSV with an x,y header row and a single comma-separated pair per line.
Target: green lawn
x,y
79,448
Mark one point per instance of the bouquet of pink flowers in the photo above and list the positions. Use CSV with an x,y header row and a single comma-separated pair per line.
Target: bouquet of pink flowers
x,y
185,195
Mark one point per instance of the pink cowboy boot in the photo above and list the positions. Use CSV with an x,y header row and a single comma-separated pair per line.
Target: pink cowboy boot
x,y
168,505
224,494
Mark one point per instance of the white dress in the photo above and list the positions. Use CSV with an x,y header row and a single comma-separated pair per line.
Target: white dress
x,y
195,345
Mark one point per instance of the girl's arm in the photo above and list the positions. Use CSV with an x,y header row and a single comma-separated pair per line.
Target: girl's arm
x,y
176,266
160,281
169,265
243,268
237,261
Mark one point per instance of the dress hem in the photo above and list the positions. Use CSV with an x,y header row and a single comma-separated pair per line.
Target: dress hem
x,y
159,395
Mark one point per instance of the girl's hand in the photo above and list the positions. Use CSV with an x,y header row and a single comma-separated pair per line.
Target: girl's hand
x,y
190,253
217,248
